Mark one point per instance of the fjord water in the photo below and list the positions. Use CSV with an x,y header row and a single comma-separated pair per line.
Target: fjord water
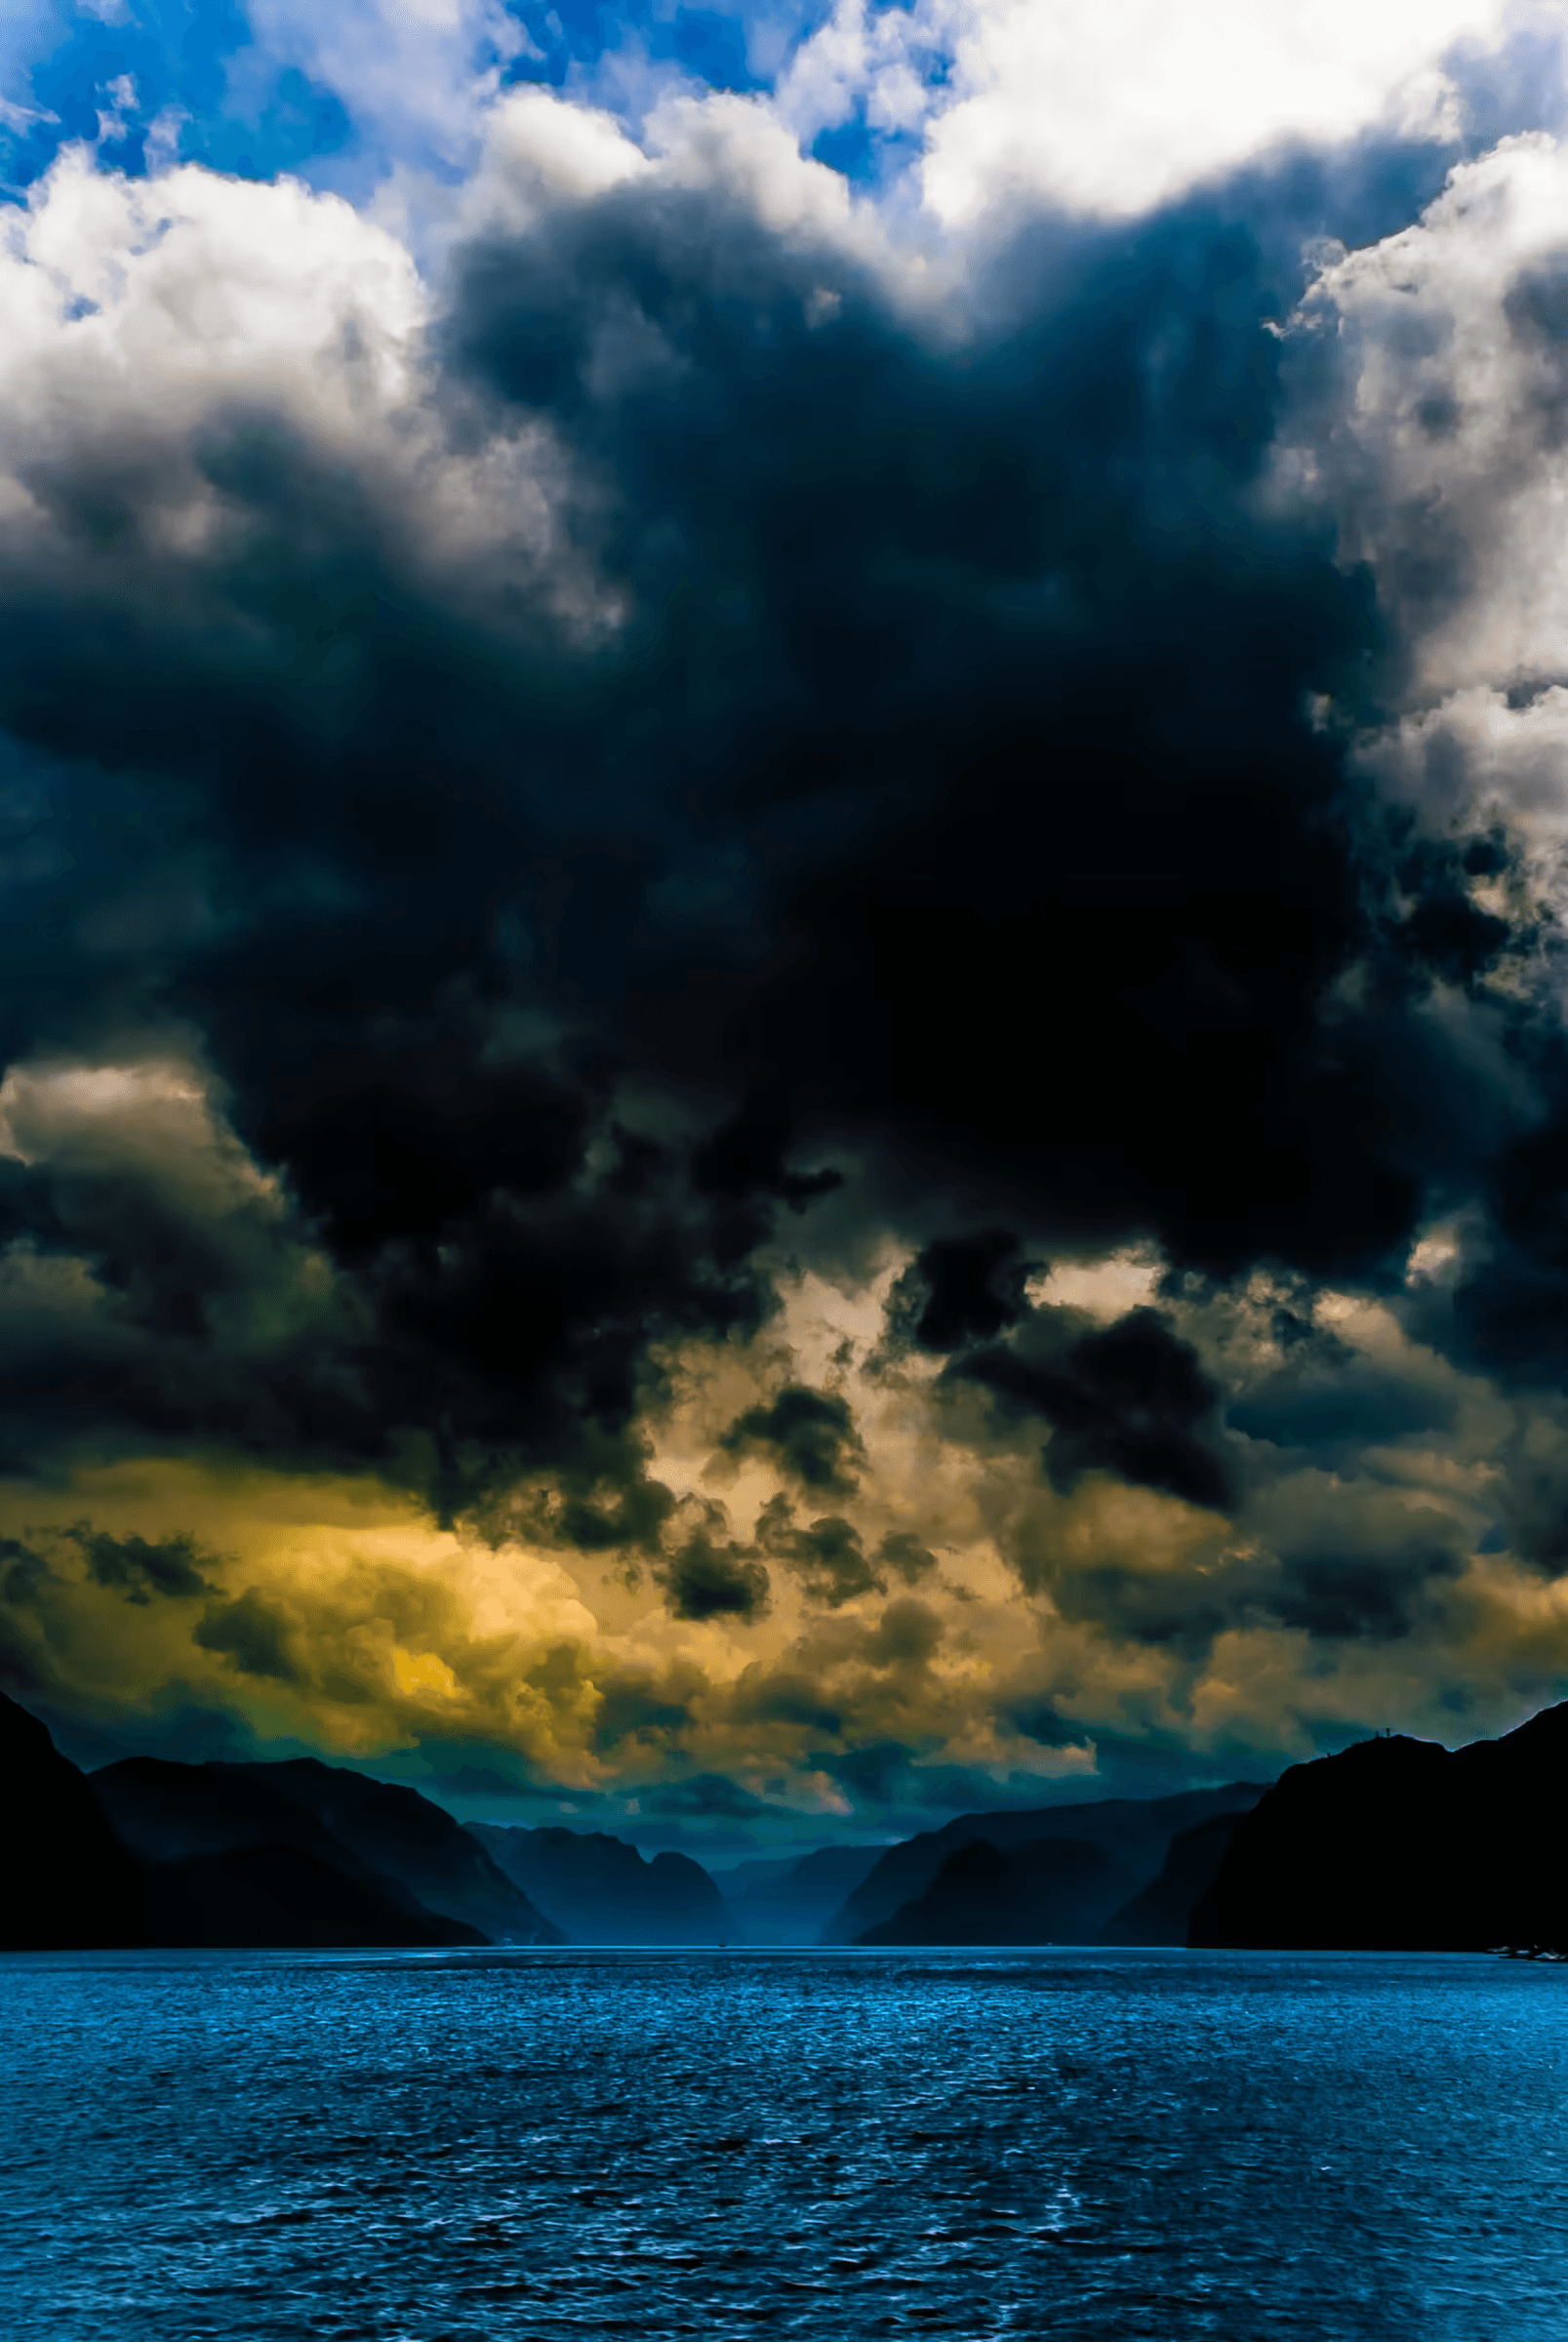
x,y
429,2147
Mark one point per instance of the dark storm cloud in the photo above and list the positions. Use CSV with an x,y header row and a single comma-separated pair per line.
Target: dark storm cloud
x,y
504,1330
826,1556
1509,1316
1129,1399
703,1797
637,1709
1040,1721
256,1634
959,1290
23,1572
140,1568
1337,1590
786,1696
1531,1493
1019,633
711,1576
1338,1559
1193,922
872,1775
1333,1407
947,791
810,1434
907,1635
898,1785
1183,1610
903,1553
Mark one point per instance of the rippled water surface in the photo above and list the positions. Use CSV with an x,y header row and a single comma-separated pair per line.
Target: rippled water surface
x,y
418,2148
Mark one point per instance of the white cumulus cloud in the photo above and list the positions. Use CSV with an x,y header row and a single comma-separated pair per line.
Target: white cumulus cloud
x,y
1109,107
1438,438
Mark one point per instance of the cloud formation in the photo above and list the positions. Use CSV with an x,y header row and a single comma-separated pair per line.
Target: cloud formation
x,y
819,947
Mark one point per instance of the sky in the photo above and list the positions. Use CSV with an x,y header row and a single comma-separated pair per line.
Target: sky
x,y
782,806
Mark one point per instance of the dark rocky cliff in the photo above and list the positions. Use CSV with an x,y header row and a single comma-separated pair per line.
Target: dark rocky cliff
x,y
1399,1844
64,1880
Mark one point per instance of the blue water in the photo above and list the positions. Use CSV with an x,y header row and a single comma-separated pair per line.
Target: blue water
x,y
418,2148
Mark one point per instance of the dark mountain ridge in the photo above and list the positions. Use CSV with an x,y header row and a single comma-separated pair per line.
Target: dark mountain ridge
x,y
1161,1913
411,1856
65,1878
1134,1835
1401,1844
146,1852
1395,1844
416,1842
600,1890
228,1858
1052,1890
789,1901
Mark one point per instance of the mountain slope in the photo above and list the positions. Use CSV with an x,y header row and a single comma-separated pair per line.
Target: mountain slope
x,y
223,1817
1400,1844
405,1836
1161,1913
426,1877
278,1895
1055,1890
790,1902
1134,1831
64,1880
600,1890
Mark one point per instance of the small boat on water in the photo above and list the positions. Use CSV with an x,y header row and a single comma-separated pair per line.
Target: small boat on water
x,y
1544,1951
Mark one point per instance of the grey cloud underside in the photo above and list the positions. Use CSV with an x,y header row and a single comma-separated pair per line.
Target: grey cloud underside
x,y
944,802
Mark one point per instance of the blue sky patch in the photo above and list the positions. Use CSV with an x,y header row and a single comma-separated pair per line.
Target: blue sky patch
x,y
149,80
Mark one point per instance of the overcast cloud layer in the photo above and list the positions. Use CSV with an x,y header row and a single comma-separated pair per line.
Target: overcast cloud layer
x,y
783,1004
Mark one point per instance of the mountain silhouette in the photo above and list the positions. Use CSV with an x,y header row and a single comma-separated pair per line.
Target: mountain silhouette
x,y
789,1901
64,1880
1400,1844
147,1853
406,1838
279,1895
600,1890
421,1871
1133,1833
1052,1890
1161,1913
